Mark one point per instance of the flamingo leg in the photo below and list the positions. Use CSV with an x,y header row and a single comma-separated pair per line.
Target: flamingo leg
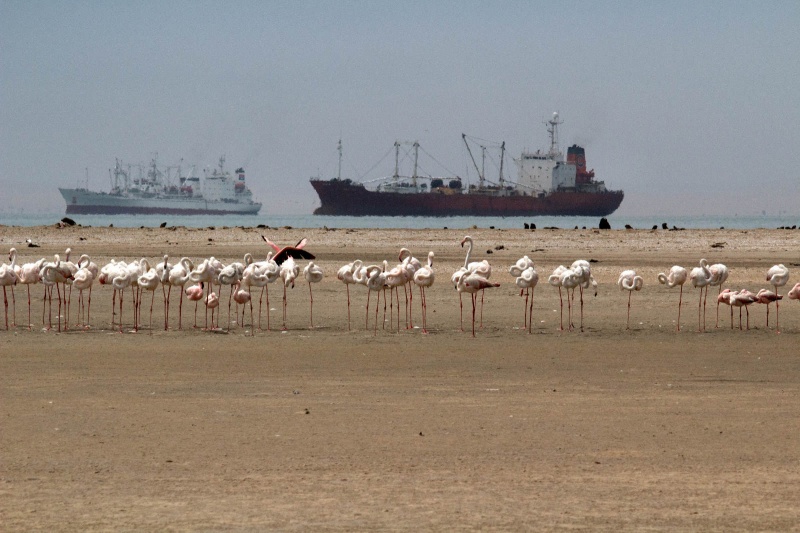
x,y
561,299
377,304
630,293
5,303
461,304
366,322
718,293
680,301
581,292
284,307
474,299
777,312
152,298
14,303
29,306
311,299
483,292
530,314
347,286
89,309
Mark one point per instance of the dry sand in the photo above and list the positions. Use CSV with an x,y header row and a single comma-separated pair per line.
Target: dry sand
x,y
325,429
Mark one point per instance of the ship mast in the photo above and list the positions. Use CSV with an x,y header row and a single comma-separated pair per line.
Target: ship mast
x,y
396,160
502,157
339,175
554,152
416,158
475,164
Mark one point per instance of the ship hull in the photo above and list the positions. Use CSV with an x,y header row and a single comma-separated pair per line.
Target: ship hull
x,y
342,198
83,202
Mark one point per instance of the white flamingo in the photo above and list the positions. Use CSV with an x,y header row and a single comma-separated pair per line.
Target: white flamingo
x,y
312,274
375,280
177,277
346,275
288,272
719,274
8,278
583,271
83,280
424,278
778,276
481,268
526,279
28,274
555,280
630,281
149,281
677,276
700,277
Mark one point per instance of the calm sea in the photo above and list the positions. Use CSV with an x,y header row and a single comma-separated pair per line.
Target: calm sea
x,y
311,221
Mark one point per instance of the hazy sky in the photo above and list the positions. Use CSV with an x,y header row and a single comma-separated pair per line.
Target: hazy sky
x,y
689,107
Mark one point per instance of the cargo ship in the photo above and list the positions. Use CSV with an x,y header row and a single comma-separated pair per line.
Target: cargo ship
x,y
157,191
546,184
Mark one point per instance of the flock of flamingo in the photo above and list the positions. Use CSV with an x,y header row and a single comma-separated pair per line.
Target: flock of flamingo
x,y
197,282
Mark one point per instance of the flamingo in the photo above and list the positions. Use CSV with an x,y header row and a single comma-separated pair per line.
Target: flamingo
x,y
107,273
482,268
794,294
424,278
555,281
8,278
231,275
296,251
410,265
149,281
205,272
163,269
28,274
375,280
778,276
177,276
724,297
393,279
719,274
313,274
583,271
259,275
346,275
765,296
526,280
700,276
82,280
53,274
677,276
194,293
743,298
630,281
471,283
242,297
124,278
288,272
570,280
212,302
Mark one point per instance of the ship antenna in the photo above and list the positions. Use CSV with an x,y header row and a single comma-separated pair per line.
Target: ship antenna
x,y
554,153
469,150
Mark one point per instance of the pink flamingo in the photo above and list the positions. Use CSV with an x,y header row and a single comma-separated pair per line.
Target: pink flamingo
x,y
212,302
242,297
83,280
482,268
194,293
375,282
677,276
794,294
778,276
630,281
724,297
743,298
297,251
410,264
471,283
767,297
312,274
177,277
424,278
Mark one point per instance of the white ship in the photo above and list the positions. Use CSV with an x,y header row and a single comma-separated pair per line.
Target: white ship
x,y
158,191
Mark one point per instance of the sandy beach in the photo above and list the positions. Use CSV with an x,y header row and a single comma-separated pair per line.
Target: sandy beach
x,y
326,429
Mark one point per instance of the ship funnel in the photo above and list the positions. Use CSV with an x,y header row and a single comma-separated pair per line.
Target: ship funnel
x,y
577,156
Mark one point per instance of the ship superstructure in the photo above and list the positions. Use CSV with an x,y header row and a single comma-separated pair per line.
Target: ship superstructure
x,y
165,190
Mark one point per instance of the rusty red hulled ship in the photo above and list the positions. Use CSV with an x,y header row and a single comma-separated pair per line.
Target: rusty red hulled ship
x,y
546,185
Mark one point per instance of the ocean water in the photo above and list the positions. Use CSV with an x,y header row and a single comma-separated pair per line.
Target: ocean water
x,y
312,221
